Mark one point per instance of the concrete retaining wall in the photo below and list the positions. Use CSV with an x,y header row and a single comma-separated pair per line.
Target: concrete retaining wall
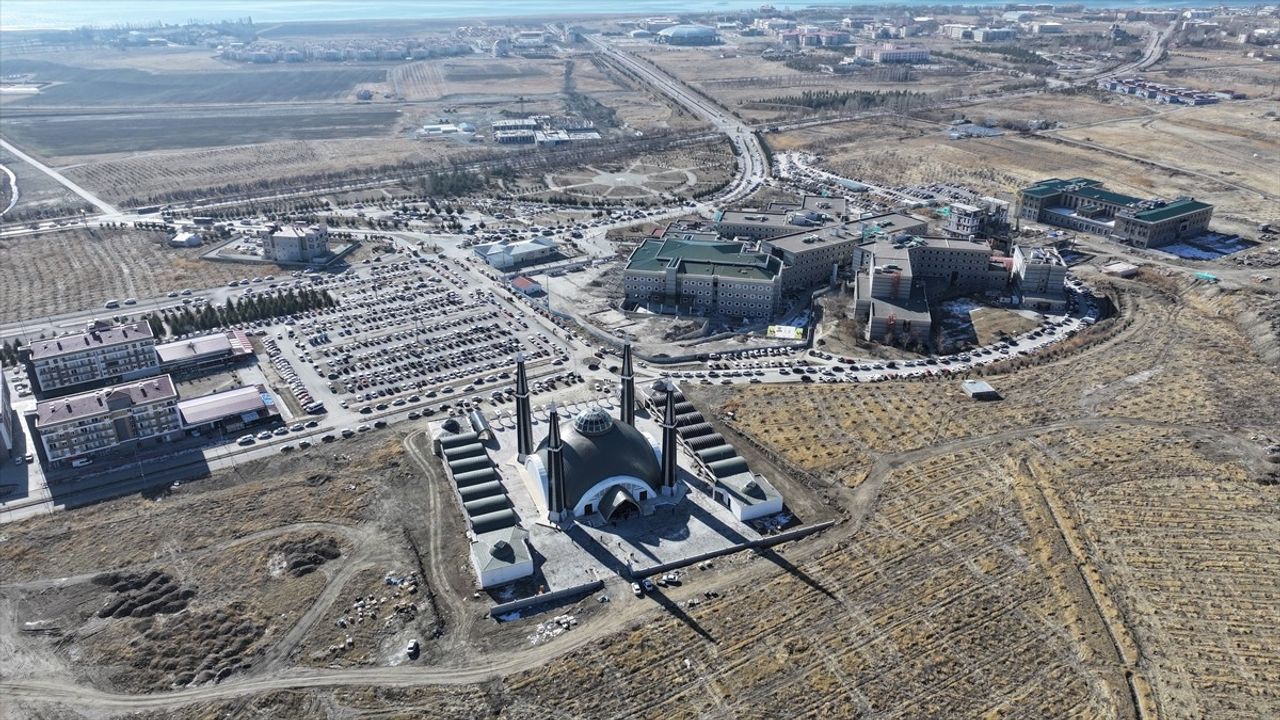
x,y
550,597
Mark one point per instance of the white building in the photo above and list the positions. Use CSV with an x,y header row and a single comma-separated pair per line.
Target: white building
x,y
888,53
509,255
1041,275
186,239
994,35
296,244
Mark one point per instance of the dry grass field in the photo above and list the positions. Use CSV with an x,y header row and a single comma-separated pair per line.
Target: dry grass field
x,y
1215,69
78,269
38,194
1231,141
1004,164
140,176
1067,111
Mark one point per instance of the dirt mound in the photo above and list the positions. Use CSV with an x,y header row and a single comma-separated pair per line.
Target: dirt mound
x,y
194,648
142,595
304,556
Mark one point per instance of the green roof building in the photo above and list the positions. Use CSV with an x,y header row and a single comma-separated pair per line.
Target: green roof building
x,y
694,275
1084,204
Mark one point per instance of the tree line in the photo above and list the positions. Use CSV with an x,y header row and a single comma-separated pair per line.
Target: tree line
x,y
851,100
248,308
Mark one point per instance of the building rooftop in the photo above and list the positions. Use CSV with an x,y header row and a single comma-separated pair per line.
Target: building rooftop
x,y
500,548
117,397
1041,255
299,231
1178,207
99,335
749,488
204,345
891,223
239,401
1084,187
813,239
721,258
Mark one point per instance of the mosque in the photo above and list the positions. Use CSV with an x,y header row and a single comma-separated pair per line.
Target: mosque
x,y
591,469
596,469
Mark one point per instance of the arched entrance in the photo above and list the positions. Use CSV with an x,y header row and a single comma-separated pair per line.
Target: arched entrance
x,y
618,504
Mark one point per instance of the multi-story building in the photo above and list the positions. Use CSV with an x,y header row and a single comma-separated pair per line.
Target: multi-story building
x,y
698,274
77,427
985,217
8,421
1083,204
812,257
100,355
780,218
898,279
992,35
891,53
1040,275
295,244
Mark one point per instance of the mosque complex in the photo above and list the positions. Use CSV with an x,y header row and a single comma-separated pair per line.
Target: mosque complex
x,y
569,493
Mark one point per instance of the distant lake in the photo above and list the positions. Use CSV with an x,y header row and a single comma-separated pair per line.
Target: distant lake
x,y
49,14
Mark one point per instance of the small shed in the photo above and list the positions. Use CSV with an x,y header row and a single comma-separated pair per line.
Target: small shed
x,y
979,390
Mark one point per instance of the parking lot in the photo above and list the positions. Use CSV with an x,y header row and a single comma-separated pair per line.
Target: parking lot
x,y
420,330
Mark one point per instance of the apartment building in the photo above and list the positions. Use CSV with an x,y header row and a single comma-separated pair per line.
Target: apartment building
x,y
78,427
100,355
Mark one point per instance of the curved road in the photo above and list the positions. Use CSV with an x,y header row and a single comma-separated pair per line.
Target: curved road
x,y
751,165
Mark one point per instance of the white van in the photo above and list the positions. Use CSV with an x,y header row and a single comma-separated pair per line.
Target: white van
x,y
81,462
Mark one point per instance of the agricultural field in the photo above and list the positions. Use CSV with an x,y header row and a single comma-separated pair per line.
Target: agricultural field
x,y
126,87
460,79
80,269
144,131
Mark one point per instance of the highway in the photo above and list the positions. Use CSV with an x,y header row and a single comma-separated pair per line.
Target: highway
x,y
752,166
